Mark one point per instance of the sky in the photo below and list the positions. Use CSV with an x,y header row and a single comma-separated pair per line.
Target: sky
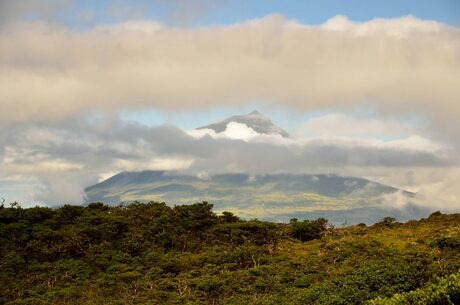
x,y
364,88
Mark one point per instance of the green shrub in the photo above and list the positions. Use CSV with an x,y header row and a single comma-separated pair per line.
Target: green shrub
x,y
452,243
445,292
308,229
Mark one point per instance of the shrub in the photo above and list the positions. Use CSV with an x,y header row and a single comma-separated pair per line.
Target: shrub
x,y
445,292
309,229
387,221
452,243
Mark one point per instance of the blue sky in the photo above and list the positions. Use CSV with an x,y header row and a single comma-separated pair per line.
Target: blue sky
x,y
203,12
315,12
283,117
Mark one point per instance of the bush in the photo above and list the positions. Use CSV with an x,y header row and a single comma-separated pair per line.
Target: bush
x,y
452,243
387,221
309,229
445,292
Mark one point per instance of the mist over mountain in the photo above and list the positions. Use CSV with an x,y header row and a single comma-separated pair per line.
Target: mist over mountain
x,y
254,120
275,197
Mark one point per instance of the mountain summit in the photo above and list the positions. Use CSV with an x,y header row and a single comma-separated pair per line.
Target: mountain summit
x,y
254,120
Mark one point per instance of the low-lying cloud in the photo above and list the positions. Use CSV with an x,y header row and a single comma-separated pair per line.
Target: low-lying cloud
x,y
65,158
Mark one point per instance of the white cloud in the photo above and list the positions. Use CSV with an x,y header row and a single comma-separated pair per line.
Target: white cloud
x,y
342,125
106,175
40,167
376,132
233,130
417,143
240,131
437,188
396,200
161,163
199,133
203,175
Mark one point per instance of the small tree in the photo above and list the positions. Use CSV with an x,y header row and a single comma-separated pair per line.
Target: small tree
x,y
387,221
228,217
309,229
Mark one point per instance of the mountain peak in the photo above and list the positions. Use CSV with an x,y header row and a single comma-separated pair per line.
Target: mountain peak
x,y
254,120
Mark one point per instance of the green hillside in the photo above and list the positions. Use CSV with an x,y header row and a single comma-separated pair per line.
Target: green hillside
x,y
156,254
271,197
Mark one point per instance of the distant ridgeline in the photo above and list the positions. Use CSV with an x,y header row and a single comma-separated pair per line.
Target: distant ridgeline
x,y
277,197
156,254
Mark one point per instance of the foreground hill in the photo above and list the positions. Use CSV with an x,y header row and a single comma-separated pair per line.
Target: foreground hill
x,y
156,254
277,197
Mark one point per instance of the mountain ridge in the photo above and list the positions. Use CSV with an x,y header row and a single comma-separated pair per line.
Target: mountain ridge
x,y
276,197
254,120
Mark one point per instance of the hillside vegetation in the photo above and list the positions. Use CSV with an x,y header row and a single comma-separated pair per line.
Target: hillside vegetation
x,y
271,197
156,254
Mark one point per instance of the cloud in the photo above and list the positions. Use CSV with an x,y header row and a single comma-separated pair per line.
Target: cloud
x,y
79,13
161,164
184,12
233,130
65,158
11,11
396,200
53,77
342,125
402,66
438,189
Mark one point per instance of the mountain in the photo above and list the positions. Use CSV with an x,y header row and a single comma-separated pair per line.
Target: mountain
x,y
274,197
277,197
254,120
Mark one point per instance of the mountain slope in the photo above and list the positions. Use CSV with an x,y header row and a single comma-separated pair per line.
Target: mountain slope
x,y
254,120
278,197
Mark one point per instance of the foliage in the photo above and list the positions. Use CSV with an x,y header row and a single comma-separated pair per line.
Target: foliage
x,y
156,254
452,243
446,291
387,221
309,229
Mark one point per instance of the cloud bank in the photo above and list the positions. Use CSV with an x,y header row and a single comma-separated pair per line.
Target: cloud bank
x,y
403,65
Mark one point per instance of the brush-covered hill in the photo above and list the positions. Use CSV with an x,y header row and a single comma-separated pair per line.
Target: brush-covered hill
x,y
157,254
